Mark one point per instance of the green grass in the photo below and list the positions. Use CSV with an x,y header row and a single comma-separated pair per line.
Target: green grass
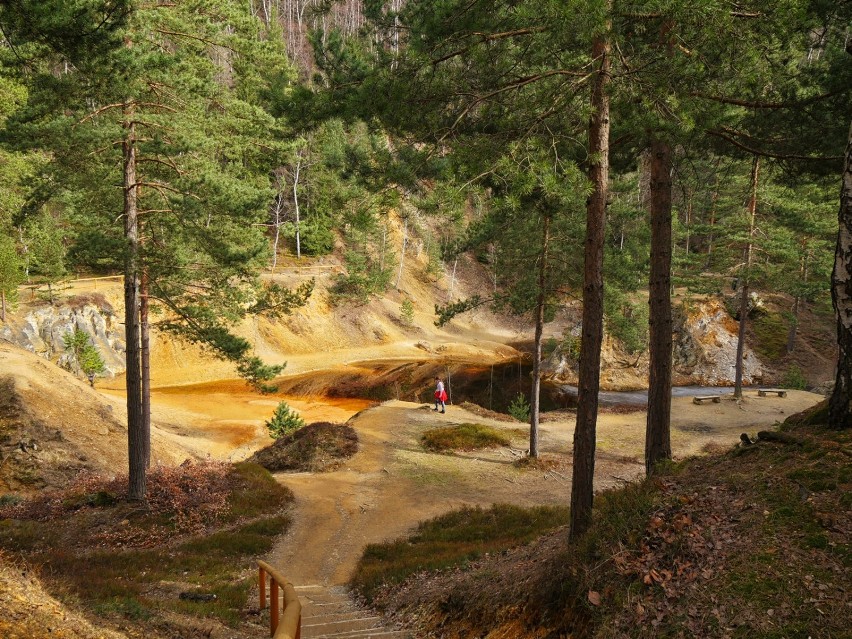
x,y
452,539
464,437
214,563
138,584
770,329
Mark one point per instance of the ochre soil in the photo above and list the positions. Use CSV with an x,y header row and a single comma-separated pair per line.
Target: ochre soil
x,y
393,483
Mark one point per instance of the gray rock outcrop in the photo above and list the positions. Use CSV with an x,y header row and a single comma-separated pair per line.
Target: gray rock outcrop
x,y
41,331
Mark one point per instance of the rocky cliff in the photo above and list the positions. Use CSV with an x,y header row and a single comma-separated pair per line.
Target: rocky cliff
x,y
703,354
41,329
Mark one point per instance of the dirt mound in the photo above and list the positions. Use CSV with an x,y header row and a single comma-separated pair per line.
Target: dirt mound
x,y
314,448
52,426
28,612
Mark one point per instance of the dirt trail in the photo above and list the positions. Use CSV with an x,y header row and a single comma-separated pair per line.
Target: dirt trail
x,y
338,513
392,483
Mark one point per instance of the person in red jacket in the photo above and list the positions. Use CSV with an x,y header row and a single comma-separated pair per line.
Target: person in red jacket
x,y
440,395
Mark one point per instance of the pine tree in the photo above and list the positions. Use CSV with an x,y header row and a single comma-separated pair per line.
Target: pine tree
x,y
840,403
535,209
169,108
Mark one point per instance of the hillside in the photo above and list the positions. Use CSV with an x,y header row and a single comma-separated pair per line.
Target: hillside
x,y
751,542
28,612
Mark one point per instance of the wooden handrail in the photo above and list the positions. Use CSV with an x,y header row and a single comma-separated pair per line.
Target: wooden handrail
x,y
290,624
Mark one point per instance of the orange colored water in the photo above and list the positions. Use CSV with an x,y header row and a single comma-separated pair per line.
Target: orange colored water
x,y
229,414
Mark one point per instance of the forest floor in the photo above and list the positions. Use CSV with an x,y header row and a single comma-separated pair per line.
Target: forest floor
x,y
752,542
392,482
54,425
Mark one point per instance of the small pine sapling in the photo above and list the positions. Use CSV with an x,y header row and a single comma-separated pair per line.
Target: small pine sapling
x,y
520,408
284,421
406,312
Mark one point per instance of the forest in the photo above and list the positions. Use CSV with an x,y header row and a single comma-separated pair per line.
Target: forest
x,y
599,150
184,145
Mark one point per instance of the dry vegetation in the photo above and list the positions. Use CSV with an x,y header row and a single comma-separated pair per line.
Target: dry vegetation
x,y
317,447
153,568
463,437
754,542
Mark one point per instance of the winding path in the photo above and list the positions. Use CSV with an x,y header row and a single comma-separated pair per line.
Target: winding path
x,y
391,484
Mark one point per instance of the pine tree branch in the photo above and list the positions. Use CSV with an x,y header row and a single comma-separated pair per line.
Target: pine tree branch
x,y
190,36
768,154
160,187
488,37
170,163
97,112
157,105
765,105
518,84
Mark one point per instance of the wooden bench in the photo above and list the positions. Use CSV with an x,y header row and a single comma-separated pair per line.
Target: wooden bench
x,y
762,392
700,399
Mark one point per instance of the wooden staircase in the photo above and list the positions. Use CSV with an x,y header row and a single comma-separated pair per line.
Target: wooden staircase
x,y
330,612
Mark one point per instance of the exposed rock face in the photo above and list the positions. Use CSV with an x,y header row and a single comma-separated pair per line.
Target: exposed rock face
x,y
705,347
704,354
41,331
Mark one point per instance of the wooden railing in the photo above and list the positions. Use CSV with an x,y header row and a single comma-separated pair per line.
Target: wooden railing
x,y
289,626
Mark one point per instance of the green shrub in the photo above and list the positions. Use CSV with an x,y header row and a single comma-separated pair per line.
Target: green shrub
x,y
284,421
363,278
86,356
464,437
794,378
626,321
10,499
570,348
406,312
520,408
316,238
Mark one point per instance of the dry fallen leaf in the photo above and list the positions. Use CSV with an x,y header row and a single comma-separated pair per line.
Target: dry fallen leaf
x,y
594,598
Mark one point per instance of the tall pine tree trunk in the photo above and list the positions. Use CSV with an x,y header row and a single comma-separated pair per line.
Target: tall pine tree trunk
x,y
797,303
840,404
2,306
582,484
713,200
136,445
145,364
535,394
657,428
402,252
744,283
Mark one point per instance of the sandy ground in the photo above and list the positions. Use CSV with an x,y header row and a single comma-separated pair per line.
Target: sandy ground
x,y
392,483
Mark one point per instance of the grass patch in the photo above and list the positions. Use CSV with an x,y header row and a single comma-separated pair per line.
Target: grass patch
x,y
220,518
463,437
455,538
